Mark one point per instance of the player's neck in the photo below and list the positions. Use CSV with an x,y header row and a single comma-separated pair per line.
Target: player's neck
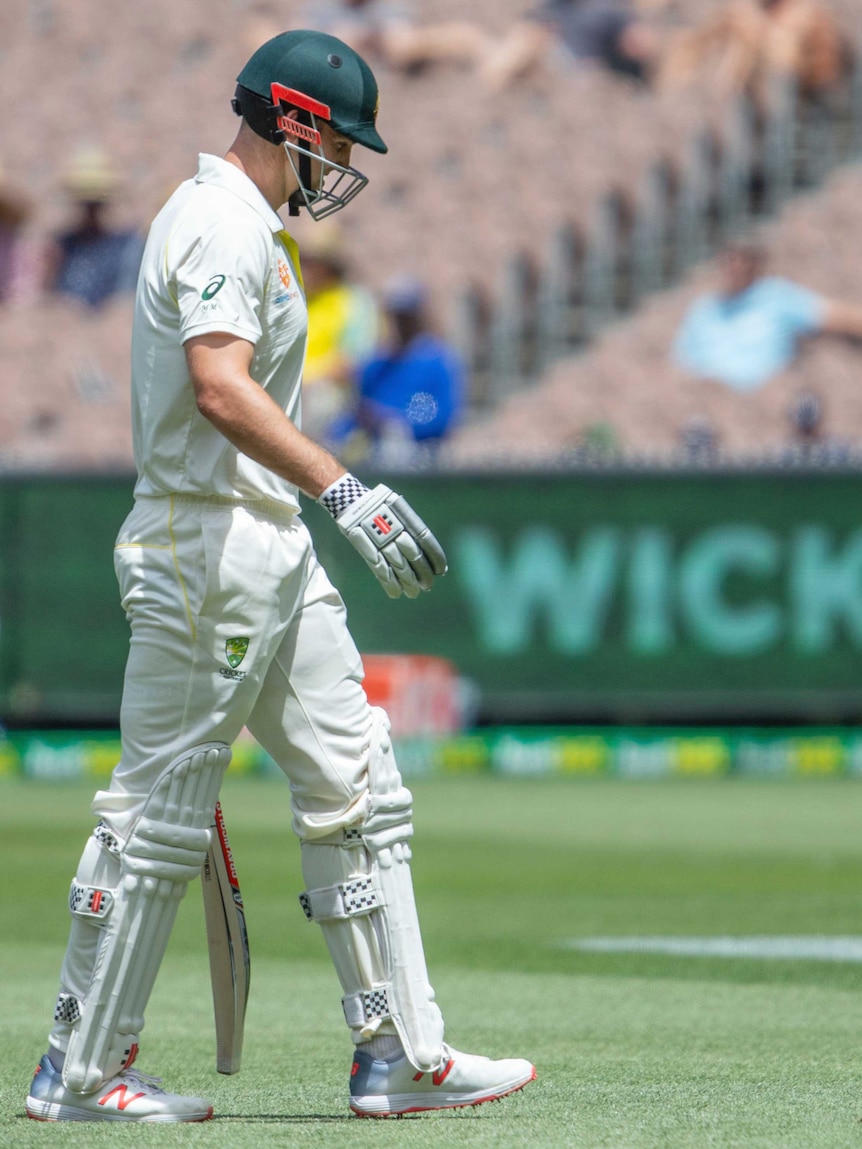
x,y
265,166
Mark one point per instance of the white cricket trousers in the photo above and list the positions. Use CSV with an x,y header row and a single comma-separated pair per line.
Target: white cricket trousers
x,y
235,623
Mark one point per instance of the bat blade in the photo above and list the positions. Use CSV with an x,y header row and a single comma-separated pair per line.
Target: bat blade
x,y
227,940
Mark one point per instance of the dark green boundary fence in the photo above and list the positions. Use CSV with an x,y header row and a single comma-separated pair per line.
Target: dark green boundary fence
x,y
606,597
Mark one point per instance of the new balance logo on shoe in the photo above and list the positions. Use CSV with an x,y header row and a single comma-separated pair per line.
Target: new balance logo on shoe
x,y
123,1101
439,1075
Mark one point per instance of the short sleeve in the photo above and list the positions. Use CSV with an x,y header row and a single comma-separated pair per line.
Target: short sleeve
x,y
802,310
219,279
688,344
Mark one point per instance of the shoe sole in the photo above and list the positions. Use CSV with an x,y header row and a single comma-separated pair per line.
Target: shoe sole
x,y
402,1103
53,1111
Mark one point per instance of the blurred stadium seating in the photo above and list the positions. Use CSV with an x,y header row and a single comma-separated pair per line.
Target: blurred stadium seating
x,y
481,197
626,380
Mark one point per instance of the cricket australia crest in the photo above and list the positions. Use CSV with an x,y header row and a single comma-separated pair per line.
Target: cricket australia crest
x,y
235,651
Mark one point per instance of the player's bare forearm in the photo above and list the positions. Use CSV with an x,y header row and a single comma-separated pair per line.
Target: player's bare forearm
x,y
245,414
257,426
842,319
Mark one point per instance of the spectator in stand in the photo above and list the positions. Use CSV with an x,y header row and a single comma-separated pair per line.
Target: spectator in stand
x,y
19,271
751,328
387,31
747,41
92,260
343,329
604,32
411,391
810,441
699,440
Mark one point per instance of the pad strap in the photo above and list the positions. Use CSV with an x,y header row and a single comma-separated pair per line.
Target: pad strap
x,y
107,839
90,901
67,1009
358,895
360,1008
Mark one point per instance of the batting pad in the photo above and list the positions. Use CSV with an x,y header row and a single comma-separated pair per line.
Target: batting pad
x,y
163,853
361,894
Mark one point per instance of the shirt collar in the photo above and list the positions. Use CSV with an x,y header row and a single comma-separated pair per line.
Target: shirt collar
x,y
214,170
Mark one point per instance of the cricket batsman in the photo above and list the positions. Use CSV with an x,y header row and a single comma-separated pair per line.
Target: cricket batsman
x,y
234,623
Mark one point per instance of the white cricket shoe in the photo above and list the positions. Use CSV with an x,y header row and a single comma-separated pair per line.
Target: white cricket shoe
x,y
383,1088
130,1096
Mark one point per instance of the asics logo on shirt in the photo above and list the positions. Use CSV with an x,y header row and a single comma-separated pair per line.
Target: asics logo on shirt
x,y
213,287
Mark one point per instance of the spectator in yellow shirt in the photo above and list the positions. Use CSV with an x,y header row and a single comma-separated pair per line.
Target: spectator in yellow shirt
x,y
343,330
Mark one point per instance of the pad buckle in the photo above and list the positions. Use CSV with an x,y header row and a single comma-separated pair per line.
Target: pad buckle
x,y
90,901
67,1009
107,838
360,1008
348,899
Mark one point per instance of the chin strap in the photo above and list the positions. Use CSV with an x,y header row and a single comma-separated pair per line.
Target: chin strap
x,y
263,118
297,200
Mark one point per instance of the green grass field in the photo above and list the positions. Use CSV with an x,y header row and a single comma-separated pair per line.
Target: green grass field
x,y
634,1050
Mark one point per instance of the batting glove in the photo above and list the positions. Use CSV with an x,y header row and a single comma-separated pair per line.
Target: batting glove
x,y
403,554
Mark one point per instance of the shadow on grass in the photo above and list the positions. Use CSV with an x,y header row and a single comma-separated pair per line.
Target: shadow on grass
x,y
286,1118
337,1118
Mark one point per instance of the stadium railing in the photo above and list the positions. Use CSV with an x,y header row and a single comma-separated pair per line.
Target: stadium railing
x,y
730,177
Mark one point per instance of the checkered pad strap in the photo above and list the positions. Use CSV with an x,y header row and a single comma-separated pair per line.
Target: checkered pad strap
x,y
90,902
360,1008
67,1009
347,900
106,838
341,494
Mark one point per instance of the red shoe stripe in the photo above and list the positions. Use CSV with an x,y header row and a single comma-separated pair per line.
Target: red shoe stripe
x,y
122,1100
439,1075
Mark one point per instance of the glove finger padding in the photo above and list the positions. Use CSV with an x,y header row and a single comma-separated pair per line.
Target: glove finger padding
x,y
400,549
408,565
415,556
432,550
380,567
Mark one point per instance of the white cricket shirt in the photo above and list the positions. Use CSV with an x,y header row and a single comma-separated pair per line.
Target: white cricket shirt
x,y
217,259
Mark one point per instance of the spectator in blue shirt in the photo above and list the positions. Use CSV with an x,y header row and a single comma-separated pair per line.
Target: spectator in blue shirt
x,y
411,390
752,327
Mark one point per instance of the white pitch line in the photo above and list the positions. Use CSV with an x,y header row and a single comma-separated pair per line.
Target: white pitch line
x,y
818,947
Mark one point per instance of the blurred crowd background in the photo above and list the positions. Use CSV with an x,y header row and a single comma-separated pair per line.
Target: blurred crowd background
x,y
606,231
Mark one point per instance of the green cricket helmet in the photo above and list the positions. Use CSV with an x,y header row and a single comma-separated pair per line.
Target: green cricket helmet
x,y
319,78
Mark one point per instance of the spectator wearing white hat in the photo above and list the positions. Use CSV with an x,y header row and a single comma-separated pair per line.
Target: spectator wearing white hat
x,y
93,260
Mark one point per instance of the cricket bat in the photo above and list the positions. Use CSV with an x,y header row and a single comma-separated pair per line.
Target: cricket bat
x,y
227,939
